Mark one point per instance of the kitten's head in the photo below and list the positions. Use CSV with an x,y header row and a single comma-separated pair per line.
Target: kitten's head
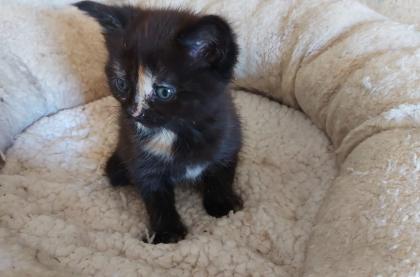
x,y
165,64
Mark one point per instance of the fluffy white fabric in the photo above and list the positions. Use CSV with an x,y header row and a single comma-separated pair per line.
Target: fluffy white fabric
x,y
69,211
406,11
352,71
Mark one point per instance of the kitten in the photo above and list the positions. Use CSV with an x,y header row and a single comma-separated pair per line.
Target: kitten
x,y
170,71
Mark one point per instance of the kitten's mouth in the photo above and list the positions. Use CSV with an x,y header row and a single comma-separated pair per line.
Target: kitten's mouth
x,y
136,117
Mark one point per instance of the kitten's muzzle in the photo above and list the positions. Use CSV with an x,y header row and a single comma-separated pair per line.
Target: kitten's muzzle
x,y
135,113
137,110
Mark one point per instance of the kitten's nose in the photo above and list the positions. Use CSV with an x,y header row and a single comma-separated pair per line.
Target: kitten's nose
x,y
135,110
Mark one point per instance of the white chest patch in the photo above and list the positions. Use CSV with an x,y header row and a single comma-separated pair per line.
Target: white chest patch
x,y
161,144
194,171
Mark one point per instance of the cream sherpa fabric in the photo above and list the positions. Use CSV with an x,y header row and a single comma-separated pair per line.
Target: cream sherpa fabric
x,y
406,11
352,71
47,64
70,211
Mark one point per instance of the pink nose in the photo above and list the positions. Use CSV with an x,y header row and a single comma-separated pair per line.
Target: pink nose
x,y
135,111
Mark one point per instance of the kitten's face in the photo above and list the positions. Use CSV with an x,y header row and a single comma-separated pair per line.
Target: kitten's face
x,y
165,65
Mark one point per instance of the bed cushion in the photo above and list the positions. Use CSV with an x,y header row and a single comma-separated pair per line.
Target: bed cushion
x,y
56,199
352,71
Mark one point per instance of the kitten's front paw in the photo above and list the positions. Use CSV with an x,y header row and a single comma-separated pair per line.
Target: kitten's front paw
x,y
219,205
171,234
116,172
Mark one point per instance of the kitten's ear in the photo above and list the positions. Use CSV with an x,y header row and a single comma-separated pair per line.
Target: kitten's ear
x,y
210,41
111,18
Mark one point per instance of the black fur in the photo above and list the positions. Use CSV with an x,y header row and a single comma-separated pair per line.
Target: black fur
x,y
193,56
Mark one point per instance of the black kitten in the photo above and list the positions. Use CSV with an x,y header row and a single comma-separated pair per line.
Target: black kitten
x,y
170,70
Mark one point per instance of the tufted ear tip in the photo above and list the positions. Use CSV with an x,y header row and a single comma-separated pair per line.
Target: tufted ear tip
x,y
111,18
86,6
80,4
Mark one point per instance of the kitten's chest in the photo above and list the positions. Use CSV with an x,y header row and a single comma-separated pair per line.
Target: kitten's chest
x,y
187,172
170,146
181,160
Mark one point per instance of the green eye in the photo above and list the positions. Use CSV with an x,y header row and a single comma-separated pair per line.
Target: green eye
x,y
164,93
121,84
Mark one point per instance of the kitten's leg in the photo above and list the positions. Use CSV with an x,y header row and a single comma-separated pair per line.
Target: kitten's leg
x,y
116,171
218,195
165,221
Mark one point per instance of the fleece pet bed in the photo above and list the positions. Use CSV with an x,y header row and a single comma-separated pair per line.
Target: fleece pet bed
x,y
332,191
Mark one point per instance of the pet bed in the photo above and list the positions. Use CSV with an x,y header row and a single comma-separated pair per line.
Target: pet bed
x,y
328,172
